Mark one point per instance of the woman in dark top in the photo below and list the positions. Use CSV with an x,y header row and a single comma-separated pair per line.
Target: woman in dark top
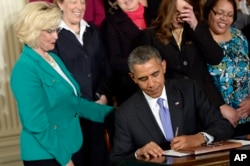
x,y
80,47
122,30
186,44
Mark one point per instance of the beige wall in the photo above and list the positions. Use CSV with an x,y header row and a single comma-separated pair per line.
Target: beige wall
x,y
9,51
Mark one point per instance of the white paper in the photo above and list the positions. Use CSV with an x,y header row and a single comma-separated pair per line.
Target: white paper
x,y
175,153
243,142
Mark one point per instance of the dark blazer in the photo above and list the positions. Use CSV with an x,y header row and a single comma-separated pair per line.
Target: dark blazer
x,y
197,50
153,6
121,36
136,126
88,63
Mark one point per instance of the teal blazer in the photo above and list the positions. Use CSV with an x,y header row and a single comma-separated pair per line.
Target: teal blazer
x,y
48,109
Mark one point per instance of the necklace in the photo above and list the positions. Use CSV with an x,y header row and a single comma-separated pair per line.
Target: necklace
x,y
50,60
78,32
177,33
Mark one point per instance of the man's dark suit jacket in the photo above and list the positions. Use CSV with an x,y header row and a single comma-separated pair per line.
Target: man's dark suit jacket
x,y
135,125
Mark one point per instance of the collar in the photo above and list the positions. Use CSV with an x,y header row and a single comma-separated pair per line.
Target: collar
x,y
83,25
153,101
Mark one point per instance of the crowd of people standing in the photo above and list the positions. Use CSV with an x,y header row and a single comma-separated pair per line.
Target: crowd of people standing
x,y
94,49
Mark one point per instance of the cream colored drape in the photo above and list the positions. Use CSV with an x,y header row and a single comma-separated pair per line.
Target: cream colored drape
x,y
9,51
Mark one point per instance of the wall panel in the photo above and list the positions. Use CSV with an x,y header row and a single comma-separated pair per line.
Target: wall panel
x,y
9,51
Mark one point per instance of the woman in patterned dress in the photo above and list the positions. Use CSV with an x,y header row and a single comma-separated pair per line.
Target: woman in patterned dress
x,y
232,75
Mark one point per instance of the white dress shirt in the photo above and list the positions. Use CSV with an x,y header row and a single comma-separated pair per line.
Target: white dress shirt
x,y
155,108
83,25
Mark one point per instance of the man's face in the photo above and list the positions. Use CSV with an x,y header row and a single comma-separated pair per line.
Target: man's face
x,y
150,77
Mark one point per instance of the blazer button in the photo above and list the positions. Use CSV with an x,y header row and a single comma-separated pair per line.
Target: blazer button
x,y
185,63
55,127
76,114
89,75
53,81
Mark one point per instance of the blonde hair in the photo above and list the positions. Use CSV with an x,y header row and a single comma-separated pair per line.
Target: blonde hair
x,y
35,17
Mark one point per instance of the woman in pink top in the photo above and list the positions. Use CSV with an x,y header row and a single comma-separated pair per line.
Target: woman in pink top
x,y
94,12
122,30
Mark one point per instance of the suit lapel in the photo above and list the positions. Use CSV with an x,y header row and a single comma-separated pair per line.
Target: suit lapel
x,y
175,108
147,119
67,73
46,67
70,37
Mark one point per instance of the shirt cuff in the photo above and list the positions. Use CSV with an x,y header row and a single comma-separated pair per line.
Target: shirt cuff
x,y
136,156
209,137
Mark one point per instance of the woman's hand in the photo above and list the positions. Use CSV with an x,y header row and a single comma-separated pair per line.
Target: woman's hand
x,y
230,114
244,108
70,163
102,100
187,15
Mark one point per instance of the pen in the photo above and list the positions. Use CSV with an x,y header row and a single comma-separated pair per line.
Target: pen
x,y
176,131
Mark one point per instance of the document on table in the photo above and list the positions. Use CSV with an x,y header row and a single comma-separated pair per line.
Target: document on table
x,y
207,148
243,142
175,153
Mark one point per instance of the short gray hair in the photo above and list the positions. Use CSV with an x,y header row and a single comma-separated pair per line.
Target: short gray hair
x,y
141,55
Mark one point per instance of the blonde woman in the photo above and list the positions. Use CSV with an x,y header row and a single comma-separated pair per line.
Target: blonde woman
x,y
48,97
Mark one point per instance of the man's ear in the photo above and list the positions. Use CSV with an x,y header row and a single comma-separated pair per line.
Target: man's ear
x,y
132,76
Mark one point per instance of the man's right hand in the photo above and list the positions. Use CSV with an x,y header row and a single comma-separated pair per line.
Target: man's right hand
x,y
186,141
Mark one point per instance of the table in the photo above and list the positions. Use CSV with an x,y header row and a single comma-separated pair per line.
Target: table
x,y
220,158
